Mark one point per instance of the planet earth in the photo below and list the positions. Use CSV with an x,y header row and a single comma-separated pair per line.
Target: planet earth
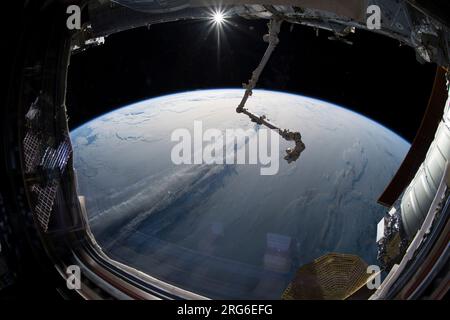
x,y
225,231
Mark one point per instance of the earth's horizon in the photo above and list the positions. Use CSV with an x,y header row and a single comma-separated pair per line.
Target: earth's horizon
x,y
225,231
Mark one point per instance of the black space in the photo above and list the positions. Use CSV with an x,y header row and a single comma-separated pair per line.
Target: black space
x,y
375,76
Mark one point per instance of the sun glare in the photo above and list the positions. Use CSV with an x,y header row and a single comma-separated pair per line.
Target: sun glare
x,y
218,17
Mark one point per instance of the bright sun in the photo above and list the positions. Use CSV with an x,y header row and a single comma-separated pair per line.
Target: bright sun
x,y
218,17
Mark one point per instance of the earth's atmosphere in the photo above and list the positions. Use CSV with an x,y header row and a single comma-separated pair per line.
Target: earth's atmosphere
x,y
225,231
